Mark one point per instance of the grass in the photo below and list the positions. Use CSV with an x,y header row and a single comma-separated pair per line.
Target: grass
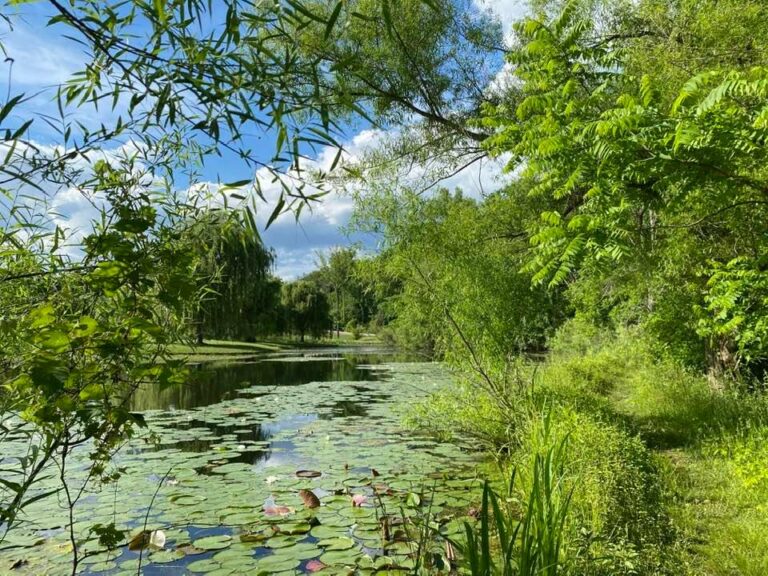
x,y
665,475
230,350
531,546
722,501
712,446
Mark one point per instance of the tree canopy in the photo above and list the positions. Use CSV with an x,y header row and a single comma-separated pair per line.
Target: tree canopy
x,y
235,267
306,308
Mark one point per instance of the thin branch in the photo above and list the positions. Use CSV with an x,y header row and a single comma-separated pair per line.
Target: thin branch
x,y
710,215
46,273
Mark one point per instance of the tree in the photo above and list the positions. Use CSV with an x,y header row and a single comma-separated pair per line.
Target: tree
x,y
338,272
463,293
659,190
306,308
234,265
78,340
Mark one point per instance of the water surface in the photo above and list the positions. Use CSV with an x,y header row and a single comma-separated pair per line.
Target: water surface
x,y
220,459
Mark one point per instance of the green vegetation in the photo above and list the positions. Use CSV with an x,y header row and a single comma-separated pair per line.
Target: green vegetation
x,y
604,307
629,248
307,308
234,265
242,300
214,520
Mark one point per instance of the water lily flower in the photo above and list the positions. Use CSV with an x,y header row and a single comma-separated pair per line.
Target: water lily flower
x,y
278,510
315,565
157,538
358,499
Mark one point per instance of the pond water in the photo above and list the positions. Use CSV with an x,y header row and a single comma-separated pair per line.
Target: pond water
x,y
284,464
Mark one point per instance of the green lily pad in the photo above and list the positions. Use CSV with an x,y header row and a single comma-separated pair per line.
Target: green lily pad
x,y
345,557
336,543
204,566
165,556
324,532
213,542
276,563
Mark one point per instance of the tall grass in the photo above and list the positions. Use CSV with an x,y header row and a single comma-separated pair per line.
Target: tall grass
x,y
506,544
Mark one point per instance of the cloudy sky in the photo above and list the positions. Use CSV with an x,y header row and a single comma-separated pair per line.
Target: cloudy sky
x,y
42,59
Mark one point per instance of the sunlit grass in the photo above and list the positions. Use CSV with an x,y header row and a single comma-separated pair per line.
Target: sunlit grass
x,y
222,350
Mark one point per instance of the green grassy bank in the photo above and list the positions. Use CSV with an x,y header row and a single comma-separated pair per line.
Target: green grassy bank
x,y
655,470
226,350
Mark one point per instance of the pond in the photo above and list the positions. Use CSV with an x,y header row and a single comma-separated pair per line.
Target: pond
x,y
285,464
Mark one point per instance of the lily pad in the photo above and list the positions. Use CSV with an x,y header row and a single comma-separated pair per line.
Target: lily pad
x,y
165,556
337,543
213,542
345,557
308,473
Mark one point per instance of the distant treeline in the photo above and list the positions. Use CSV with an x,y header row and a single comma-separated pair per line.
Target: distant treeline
x,y
248,301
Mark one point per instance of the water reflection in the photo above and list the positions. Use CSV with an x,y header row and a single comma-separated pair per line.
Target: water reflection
x,y
251,442
344,409
209,384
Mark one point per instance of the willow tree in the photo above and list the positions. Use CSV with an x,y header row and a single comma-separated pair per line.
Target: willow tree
x,y
234,265
306,308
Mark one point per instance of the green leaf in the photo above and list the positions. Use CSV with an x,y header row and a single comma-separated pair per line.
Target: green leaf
x,y
276,211
332,20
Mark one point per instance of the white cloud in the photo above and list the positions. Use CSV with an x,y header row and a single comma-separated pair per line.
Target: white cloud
x,y
297,244
44,60
507,11
39,58
319,228
61,199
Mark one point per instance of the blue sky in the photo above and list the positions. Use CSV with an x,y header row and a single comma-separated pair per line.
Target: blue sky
x,y
43,58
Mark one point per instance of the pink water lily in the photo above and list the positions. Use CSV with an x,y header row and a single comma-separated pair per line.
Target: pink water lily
x,y
278,510
315,565
358,499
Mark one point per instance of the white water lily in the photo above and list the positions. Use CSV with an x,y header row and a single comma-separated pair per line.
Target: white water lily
x,y
157,539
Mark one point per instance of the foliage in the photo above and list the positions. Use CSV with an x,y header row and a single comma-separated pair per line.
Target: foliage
x,y
306,308
234,265
79,340
468,411
590,391
722,496
349,292
637,173
405,58
532,544
456,262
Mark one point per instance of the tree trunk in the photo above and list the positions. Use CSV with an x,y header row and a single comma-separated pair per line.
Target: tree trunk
x,y
723,363
199,330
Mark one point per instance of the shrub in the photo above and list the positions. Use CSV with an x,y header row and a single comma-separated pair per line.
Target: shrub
x,y
465,410
617,493
353,328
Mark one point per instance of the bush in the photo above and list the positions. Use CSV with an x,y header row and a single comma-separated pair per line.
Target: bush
x,y
464,410
354,329
617,508
387,337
